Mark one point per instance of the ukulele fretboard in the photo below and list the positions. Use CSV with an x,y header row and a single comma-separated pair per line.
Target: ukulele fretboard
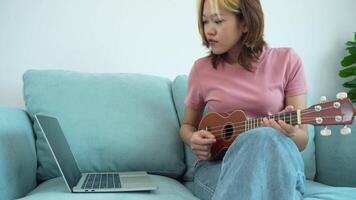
x,y
292,118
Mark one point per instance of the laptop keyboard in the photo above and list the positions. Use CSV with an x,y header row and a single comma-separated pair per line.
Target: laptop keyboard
x,y
101,181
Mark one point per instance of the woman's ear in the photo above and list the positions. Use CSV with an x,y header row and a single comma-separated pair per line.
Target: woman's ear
x,y
244,26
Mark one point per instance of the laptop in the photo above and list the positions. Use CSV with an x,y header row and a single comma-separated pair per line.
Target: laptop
x,y
87,182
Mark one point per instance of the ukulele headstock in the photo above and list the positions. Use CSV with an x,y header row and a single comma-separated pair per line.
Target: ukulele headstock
x,y
338,112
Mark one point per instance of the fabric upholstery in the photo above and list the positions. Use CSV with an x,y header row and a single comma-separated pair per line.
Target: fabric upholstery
x,y
168,188
317,191
18,160
113,122
336,158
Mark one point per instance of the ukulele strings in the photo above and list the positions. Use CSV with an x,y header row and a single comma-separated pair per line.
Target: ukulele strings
x,y
238,128
239,131
294,117
304,121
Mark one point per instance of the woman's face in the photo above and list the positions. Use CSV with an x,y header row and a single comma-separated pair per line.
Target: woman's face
x,y
222,29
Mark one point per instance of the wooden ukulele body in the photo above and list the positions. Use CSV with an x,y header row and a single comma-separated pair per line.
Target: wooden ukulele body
x,y
225,127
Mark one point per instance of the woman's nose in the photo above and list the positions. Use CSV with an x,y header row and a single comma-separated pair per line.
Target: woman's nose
x,y
210,30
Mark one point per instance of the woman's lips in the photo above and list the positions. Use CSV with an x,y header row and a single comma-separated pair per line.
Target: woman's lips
x,y
212,41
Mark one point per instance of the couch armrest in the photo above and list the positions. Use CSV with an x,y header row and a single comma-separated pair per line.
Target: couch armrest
x,y
18,160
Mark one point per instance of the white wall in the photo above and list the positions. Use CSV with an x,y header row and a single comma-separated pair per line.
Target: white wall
x,y
157,37
318,31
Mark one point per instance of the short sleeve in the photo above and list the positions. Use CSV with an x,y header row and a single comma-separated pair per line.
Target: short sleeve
x,y
295,79
194,98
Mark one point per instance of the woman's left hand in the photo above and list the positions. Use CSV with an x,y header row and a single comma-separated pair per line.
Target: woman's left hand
x,y
283,127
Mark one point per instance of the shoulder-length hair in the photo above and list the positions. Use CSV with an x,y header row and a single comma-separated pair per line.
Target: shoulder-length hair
x,y
252,41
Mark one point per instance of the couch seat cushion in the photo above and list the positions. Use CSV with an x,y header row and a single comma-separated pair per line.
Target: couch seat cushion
x,y
318,191
168,188
113,122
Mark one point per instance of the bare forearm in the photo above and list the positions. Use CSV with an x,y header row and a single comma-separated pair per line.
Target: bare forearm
x,y
300,137
186,132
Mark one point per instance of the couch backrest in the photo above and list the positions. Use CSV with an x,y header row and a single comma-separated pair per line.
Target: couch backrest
x,y
179,89
113,122
336,157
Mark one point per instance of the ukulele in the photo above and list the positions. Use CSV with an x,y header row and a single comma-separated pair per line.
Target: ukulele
x,y
226,127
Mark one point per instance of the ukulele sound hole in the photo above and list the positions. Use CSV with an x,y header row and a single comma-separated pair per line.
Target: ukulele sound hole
x,y
228,131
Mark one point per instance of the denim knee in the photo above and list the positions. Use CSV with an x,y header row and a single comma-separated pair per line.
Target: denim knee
x,y
258,136
263,133
262,140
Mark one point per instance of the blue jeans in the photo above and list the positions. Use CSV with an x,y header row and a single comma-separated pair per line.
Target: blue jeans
x,y
260,164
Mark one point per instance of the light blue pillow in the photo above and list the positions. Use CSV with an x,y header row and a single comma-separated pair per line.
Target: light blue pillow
x,y
113,122
18,160
336,157
179,88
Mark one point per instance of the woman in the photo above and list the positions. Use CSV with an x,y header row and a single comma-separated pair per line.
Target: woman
x,y
243,73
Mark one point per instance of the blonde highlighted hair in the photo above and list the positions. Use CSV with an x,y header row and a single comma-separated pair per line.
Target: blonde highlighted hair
x,y
252,42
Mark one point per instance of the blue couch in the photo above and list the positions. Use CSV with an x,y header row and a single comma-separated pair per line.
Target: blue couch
x,y
124,122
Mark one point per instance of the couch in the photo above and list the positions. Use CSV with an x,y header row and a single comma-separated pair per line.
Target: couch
x,y
124,122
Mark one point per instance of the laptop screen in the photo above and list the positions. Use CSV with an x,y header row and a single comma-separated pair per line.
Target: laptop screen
x,y
60,149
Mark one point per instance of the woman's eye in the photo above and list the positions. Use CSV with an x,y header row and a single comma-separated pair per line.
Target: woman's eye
x,y
219,21
204,22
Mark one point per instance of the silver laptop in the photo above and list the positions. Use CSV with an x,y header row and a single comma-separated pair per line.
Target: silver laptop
x,y
87,182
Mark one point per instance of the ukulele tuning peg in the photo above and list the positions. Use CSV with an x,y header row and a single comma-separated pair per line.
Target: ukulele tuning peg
x,y
325,132
322,99
341,95
345,131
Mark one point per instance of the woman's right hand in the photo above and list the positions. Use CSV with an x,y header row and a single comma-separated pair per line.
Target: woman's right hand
x,y
201,142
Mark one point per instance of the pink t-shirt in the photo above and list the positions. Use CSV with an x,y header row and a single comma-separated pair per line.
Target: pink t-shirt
x,y
278,74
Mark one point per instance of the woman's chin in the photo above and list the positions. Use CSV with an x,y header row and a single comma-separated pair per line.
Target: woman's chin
x,y
217,52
